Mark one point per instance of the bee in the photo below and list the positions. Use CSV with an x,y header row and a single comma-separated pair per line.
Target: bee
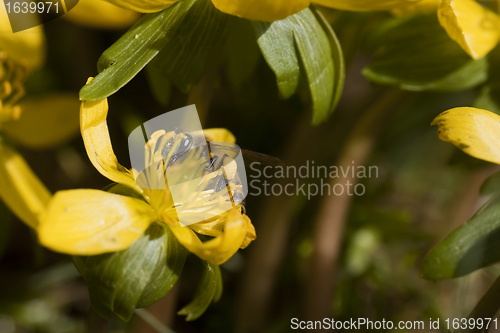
x,y
180,157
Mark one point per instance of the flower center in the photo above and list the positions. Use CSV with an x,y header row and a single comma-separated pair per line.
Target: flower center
x,y
188,179
12,76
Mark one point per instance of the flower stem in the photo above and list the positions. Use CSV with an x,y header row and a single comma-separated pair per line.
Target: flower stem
x,y
152,321
329,228
487,307
266,255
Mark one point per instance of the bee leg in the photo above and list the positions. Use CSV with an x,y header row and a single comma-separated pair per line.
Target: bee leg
x,y
221,161
211,163
221,184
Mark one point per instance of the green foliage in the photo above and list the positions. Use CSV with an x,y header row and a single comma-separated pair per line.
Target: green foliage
x,y
415,53
489,95
122,281
474,245
302,39
278,48
209,289
123,190
491,185
125,58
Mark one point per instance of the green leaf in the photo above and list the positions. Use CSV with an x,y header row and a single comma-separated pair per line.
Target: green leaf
x,y
302,35
277,45
123,190
415,53
338,59
491,185
122,281
126,57
474,245
184,59
209,289
489,95
316,55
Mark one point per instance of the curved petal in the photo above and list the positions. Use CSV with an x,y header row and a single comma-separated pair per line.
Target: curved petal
x,y
251,235
101,14
45,121
219,135
365,5
20,188
219,249
94,129
261,10
215,228
26,47
423,6
475,28
143,6
90,222
475,131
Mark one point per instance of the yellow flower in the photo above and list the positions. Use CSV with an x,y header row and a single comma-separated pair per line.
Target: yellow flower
x,y
475,131
44,122
39,122
20,53
270,10
91,222
475,28
26,47
101,14
423,6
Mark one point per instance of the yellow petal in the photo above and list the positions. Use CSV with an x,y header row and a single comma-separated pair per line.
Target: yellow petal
x,y
45,121
101,14
219,135
219,249
251,235
261,10
94,129
26,47
365,5
475,28
475,131
215,228
20,188
424,6
144,6
90,222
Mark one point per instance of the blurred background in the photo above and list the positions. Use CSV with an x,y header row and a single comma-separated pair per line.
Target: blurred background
x,y
425,189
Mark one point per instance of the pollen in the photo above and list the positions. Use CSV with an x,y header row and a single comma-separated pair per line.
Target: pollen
x,y
12,77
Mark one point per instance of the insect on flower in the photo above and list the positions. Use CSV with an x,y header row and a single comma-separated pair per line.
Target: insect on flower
x,y
195,172
172,188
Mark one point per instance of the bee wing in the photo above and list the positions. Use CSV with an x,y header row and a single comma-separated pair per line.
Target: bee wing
x,y
249,156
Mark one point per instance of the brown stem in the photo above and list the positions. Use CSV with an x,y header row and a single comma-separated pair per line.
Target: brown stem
x,y
487,307
164,311
329,228
266,253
